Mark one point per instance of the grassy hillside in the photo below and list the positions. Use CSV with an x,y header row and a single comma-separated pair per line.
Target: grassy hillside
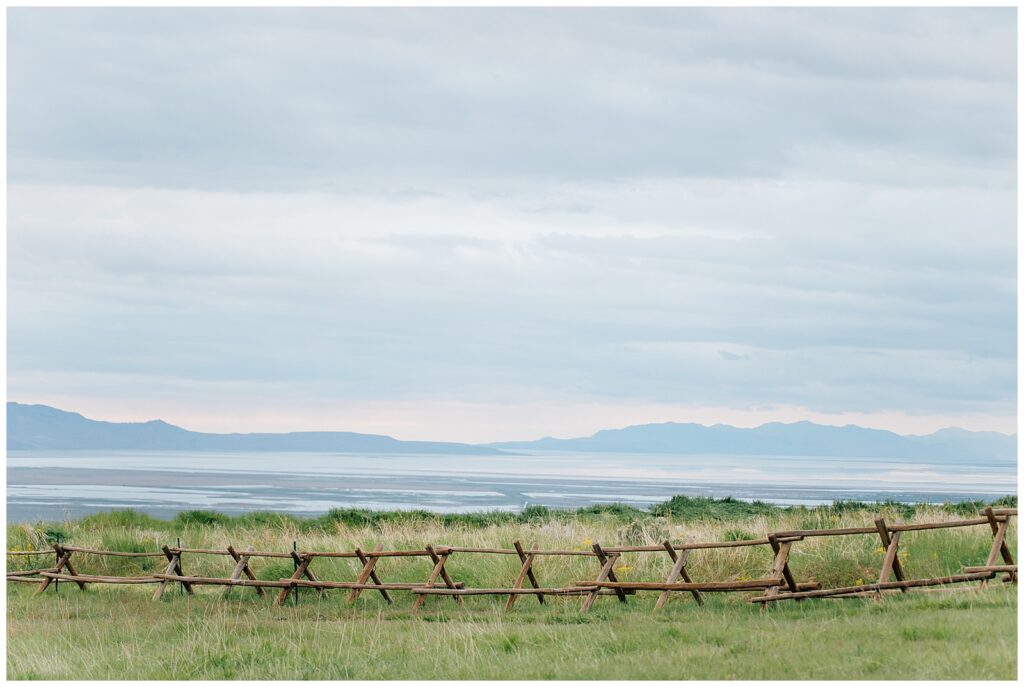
x,y
967,633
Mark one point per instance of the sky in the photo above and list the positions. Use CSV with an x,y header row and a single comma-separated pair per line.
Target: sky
x,y
496,224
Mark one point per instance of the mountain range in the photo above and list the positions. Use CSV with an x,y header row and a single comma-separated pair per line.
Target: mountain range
x,y
40,427
792,439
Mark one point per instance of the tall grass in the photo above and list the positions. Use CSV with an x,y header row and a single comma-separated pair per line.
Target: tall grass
x,y
107,633
119,633
831,561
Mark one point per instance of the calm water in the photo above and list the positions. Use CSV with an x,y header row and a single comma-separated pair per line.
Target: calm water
x,y
52,485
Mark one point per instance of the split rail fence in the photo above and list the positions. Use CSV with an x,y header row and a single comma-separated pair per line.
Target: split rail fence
x,y
779,584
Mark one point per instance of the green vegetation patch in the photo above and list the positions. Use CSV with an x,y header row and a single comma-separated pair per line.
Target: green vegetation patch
x,y
110,633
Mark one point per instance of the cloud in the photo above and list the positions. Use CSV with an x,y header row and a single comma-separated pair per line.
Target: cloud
x,y
271,99
670,210
356,297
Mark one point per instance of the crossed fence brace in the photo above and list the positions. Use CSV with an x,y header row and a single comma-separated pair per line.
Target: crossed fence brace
x,y
780,584
889,535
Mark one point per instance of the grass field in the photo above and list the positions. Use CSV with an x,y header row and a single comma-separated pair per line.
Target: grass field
x,y
119,632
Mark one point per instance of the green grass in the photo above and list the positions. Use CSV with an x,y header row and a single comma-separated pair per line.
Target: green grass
x,y
118,632
678,508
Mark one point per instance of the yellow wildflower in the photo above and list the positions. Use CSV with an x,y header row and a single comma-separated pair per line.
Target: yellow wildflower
x,y
587,544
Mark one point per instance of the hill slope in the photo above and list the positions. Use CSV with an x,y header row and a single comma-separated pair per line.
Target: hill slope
x,y
796,439
43,427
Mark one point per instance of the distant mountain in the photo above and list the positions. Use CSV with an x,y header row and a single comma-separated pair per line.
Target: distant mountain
x,y
796,439
43,427
974,443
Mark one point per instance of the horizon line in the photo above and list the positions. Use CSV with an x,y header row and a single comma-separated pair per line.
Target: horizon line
x,y
514,441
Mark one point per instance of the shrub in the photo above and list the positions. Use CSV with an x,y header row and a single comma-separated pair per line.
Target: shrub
x,y
55,534
535,513
201,517
737,535
644,532
618,510
703,507
126,517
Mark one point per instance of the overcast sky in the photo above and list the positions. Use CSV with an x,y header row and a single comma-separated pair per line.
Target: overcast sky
x,y
501,224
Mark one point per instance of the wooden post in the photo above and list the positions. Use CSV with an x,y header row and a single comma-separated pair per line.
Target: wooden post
x,y
301,568
62,560
606,572
998,542
887,544
678,569
889,563
779,567
179,571
56,561
445,576
242,566
611,572
1002,548
70,566
439,562
368,572
295,566
173,568
524,573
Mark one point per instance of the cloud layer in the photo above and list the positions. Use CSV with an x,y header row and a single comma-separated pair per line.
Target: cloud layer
x,y
216,212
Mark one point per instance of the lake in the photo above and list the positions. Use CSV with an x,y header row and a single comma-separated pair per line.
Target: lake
x,y
51,485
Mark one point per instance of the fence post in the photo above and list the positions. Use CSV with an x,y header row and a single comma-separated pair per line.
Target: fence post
x,y
607,572
56,552
301,568
999,543
295,567
678,570
242,567
368,572
526,572
779,566
891,562
438,571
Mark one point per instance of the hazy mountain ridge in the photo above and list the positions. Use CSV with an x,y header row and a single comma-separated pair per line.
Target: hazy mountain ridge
x,y
42,427
797,439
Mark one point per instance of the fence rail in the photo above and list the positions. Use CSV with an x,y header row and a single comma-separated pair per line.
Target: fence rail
x,y
778,584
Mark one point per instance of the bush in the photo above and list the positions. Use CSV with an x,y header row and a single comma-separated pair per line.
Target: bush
x,y
737,535
201,517
617,510
55,534
703,507
126,517
644,532
535,513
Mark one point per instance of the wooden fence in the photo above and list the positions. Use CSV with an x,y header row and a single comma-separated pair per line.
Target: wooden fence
x,y
778,584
